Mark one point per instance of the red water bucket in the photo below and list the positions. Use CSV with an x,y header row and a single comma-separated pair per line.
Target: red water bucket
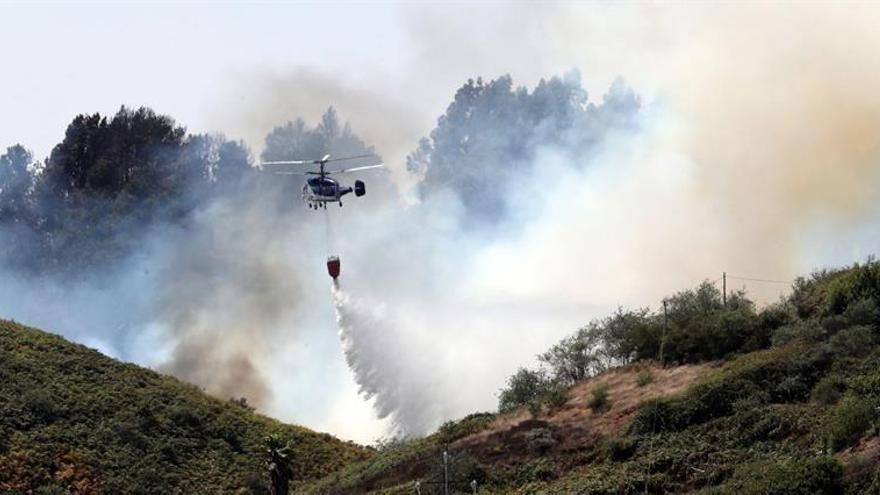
x,y
333,266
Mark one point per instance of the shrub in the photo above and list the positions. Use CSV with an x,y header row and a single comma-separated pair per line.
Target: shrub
x,y
598,401
862,312
51,489
556,397
657,415
853,341
537,470
620,448
832,292
184,417
850,420
805,330
523,388
795,477
40,404
714,334
834,324
644,378
701,403
860,282
540,440
776,315
451,431
577,357
397,443
829,389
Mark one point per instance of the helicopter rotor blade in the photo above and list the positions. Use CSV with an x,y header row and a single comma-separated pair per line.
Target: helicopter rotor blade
x,y
356,169
347,158
288,162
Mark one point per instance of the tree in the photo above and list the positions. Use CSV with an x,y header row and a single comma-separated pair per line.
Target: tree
x,y
631,335
133,152
233,163
579,356
16,182
524,387
491,134
294,140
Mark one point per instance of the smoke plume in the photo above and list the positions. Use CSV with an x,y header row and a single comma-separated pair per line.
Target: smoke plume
x,y
755,153
226,291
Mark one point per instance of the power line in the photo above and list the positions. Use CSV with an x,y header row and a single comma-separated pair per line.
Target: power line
x,y
787,282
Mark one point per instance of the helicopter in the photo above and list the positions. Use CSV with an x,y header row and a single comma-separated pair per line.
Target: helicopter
x,y
321,189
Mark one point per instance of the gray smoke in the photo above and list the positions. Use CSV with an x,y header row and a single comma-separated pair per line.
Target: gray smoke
x,y
227,291
756,154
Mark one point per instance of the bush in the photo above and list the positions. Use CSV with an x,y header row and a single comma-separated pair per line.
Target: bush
x,y
451,431
829,390
776,315
795,477
644,378
51,489
714,334
577,357
523,388
850,420
397,443
832,292
598,401
537,470
540,440
556,397
809,330
701,403
788,374
834,324
40,404
620,448
657,415
853,341
862,312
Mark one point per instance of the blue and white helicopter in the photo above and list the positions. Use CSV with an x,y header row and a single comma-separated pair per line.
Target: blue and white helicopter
x,y
321,189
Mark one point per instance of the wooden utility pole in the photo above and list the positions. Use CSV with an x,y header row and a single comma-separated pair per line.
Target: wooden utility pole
x,y
663,339
724,288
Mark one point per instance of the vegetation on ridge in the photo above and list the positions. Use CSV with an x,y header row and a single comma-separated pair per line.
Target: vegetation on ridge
x,y
75,421
786,401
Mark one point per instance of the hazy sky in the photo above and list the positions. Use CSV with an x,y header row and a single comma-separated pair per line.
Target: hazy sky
x,y
205,64
63,59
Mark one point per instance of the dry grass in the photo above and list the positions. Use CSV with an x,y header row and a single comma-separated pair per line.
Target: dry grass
x,y
576,424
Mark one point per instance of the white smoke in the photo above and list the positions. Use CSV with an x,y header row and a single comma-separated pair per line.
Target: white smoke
x,y
757,155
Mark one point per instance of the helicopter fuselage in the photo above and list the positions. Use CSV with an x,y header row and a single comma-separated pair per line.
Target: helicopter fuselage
x,y
322,190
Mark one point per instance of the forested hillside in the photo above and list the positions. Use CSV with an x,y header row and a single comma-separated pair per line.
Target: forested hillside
x,y
75,421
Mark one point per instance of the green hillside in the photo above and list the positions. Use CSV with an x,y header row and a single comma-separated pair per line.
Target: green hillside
x,y
75,421
782,400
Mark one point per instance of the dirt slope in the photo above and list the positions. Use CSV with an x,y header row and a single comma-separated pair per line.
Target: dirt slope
x,y
575,424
